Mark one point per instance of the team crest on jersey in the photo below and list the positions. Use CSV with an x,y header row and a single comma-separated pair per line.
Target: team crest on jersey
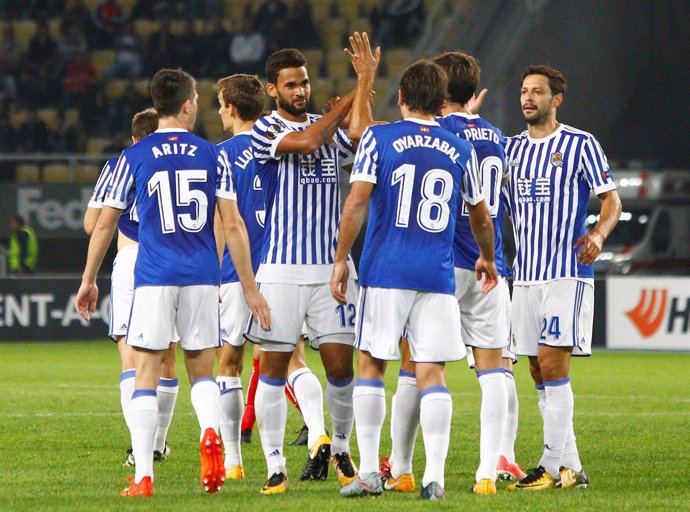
x,y
557,159
273,130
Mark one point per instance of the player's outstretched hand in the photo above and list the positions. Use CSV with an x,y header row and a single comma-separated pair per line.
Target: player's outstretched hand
x,y
339,277
486,268
87,296
476,101
259,307
590,246
364,61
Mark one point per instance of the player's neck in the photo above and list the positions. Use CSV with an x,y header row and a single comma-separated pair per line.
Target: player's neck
x,y
170,122
415,114
542,130
299,118
240,125
453,108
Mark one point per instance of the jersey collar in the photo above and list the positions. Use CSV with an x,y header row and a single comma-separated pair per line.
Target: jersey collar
x,y
421,121
170,130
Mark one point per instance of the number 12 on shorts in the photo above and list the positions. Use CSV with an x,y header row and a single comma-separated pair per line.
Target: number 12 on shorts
x,y
347,314
550,328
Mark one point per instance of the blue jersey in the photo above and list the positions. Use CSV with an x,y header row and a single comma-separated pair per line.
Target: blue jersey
x,y
489,144
302,199
128,223
250,201
176,177
420,171
549,188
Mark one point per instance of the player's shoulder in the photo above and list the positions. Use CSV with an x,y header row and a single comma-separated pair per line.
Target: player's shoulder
x,y
576,132
237,142
518,138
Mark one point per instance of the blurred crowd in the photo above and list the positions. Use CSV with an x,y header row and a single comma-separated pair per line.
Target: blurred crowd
x,y
60,73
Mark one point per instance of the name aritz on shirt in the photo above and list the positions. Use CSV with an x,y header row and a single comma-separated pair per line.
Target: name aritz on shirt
x,y
174,149
425,141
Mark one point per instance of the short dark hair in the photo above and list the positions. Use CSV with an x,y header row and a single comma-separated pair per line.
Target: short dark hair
x,y
245,92
423,87
170,88
557,82
18,219
283,59
144,123
462,71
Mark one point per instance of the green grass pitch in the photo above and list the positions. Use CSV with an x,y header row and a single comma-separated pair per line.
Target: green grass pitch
x,y
63,440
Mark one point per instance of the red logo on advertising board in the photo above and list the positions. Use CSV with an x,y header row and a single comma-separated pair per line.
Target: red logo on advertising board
x,y
649,312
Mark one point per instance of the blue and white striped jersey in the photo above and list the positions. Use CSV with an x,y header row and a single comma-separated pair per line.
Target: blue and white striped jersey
x,y
302,202
489,144
250,201
176,177
549,189
128,223
421,174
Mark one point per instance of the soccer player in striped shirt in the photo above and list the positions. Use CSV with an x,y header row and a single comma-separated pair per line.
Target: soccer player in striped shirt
x,y
413,174
553,169
176,177
298,157
121,292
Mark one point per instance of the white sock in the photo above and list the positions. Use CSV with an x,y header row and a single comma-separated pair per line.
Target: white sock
x,y
339,401
206,403
435,413
126,390
404,424
143,412
493,413
307,389
511,427
570,458
369,403
271,415
231,410
542,399
558,418
167,396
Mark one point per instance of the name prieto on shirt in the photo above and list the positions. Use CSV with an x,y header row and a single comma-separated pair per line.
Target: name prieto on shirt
x,y
481,134
174,149
425,141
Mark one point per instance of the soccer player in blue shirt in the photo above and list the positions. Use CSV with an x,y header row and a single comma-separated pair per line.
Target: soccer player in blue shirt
x,y
553,169
413,174
176,177
122,290
298,157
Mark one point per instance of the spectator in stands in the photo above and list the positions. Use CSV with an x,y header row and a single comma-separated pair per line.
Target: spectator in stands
x,y
247,49
124,108
9,138
94,112
42,52
107,17
78,79
303,33
397,23
159,48
76,12
72,41
8,85
66,137
23,250
33,134
270,13
36,87
187,48
11,48
215,43
128,48
204,9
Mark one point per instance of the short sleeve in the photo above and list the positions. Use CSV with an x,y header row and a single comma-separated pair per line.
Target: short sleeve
x,y
365,166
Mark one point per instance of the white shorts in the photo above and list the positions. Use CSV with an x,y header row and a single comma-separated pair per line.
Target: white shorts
x,y
431,322
558,314
484,315
234,314
294,306
159,313
122,290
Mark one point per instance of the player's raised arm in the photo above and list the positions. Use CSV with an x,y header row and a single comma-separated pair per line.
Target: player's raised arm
x,y
365,63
